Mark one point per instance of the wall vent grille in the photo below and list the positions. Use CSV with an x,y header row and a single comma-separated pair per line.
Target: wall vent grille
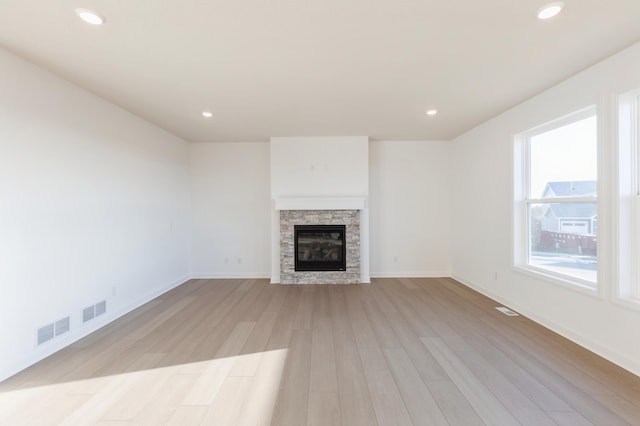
x,y
90,312
62,326
55,329
46,333
101,308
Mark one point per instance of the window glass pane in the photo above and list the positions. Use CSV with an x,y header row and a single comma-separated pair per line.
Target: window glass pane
x,y
563,238
563,161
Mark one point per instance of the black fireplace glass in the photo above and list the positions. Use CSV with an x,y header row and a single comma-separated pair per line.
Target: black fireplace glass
x,y
320,247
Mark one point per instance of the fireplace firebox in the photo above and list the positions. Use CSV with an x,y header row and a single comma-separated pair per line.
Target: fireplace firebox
x,y
320,247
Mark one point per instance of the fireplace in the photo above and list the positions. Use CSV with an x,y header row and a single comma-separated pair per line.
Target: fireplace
x,y
320,247
327,271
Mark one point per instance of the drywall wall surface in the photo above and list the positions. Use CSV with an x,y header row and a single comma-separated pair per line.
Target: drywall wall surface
x,y
231,209
410,208
94,206
319,167
482,163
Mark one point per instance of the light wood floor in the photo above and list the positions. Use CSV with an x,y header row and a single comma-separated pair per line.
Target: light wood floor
x,y
397,351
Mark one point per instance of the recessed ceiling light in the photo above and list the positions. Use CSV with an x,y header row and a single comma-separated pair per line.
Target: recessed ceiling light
x,y
432,112
550,10
90,17
207,114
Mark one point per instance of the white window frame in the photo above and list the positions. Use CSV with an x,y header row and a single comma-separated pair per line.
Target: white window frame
x,y
522,200
628,232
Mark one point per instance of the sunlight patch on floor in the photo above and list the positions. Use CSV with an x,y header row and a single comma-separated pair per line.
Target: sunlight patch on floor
x,y
239,389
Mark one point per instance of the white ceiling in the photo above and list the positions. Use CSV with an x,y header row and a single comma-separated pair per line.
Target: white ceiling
x,y
317,67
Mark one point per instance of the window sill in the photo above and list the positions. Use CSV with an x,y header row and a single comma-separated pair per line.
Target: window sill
x,y
576,284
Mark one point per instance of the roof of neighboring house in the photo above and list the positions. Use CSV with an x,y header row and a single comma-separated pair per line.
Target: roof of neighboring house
x,y
574,210
571,188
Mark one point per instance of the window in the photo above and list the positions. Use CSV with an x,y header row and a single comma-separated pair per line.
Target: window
x,y
556,195
629,198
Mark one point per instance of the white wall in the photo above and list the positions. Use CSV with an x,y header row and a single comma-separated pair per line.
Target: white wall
x,y
92,201
482,213
231,209
409,205
410,209
319,167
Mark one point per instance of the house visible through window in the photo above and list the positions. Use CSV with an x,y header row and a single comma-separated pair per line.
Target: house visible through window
x,y
556,194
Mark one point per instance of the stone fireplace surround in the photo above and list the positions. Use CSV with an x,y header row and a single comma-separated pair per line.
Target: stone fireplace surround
x,y
349,211
349,218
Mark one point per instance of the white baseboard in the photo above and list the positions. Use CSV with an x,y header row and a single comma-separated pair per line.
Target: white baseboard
x,y
411,274
83,331
230,275
633,366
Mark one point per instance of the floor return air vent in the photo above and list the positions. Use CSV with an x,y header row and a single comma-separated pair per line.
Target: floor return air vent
x,y
507,311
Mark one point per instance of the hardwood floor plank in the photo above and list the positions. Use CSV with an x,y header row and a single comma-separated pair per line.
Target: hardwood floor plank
x,y
480,398
293,397
217,369
578,400
408,283
226,408
621,406
324,409
353,391
526,383
164,402
569,418
261,399
188,415
419,401
370,352
251,352
387,402
323,360
304,314
281,333
54,405
454,405
323,376
396,351
139,392
521,407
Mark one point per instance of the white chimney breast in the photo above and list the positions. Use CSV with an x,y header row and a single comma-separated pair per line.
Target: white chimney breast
x,y
320,173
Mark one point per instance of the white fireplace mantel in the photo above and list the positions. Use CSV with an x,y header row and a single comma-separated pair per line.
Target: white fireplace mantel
x,y
320,203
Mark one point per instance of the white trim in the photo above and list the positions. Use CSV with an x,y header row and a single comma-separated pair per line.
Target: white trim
x,y
627,233
231,275
566,281
631,365
412,274
590,199
521,175
320,203
627,302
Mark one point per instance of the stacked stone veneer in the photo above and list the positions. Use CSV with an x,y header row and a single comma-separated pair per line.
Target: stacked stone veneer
x,y
289,218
